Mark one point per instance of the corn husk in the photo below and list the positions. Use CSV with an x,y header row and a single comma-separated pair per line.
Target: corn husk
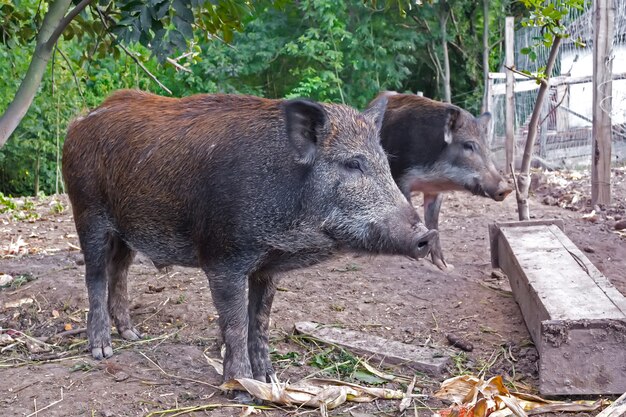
x,y
317,393
474,397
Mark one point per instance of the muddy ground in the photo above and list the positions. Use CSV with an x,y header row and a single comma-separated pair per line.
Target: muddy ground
x,y
392,297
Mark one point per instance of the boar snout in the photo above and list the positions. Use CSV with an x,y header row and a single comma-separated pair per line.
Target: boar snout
x,y
500,192
424,241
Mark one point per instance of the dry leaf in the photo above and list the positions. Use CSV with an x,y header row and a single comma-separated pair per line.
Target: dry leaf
x,y
72,246
5,280
68,327
15,247
55,314
5,339
216,364
19,303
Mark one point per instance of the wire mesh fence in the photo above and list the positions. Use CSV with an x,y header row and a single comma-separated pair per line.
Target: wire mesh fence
x,y
565,131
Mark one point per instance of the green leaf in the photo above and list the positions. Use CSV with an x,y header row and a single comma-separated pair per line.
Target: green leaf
x,y
145,19
177,39
162,10
368,378
182,10
183,27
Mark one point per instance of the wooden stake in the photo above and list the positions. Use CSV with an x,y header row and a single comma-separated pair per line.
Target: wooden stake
x,y
604,11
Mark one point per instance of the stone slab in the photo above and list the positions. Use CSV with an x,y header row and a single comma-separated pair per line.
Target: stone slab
x,y
423,359
576,317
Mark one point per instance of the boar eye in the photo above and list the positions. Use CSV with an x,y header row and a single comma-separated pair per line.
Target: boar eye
x,y
470,146
354,163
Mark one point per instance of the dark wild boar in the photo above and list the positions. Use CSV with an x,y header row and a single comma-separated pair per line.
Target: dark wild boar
x,y
435,147
242,187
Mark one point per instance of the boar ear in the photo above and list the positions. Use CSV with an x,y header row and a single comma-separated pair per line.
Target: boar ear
x,y
376,110
305,121
484,123
452,115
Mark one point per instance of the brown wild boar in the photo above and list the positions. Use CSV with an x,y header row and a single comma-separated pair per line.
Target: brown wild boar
x,y
435,147
242,187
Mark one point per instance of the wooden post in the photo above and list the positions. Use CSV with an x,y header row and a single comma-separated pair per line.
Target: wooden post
x,y
509,144
604,11
485,106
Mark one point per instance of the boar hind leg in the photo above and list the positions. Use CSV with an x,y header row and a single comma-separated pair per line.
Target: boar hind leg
x,y
432,205
261,290
120,257
93,235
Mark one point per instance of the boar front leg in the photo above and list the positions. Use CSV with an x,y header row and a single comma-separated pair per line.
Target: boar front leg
x,y
261,290
228,290
432,205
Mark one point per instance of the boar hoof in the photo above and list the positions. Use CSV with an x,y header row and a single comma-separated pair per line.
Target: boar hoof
x,y
272,378
443,265
242,397
102,352
131,334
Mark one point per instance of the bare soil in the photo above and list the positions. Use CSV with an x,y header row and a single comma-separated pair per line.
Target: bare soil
x,y
392,297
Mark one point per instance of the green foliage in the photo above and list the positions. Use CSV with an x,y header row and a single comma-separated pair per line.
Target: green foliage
x,y
19,209
30,159
340,51
548,17
167,26
20,280
341,364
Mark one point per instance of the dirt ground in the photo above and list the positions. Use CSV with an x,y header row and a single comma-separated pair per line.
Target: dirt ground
x,y
392,297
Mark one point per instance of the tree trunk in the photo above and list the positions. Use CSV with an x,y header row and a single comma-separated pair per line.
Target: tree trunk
x,y
485,106
53,25
443,18
523,179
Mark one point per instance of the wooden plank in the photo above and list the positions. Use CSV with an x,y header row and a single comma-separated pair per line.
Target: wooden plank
x,y
524,84
494,233
575,316
602,102
424,359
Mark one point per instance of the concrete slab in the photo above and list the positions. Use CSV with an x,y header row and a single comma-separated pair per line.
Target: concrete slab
x,y
576,317
423,359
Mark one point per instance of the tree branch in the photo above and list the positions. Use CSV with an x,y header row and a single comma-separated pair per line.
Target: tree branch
x,y
130,54
67,61
529,76
66,21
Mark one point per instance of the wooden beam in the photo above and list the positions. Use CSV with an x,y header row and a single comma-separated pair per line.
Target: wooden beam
x,y
604,12
575,316
524,84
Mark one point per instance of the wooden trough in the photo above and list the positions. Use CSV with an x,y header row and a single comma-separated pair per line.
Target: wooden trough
x,y
576,317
